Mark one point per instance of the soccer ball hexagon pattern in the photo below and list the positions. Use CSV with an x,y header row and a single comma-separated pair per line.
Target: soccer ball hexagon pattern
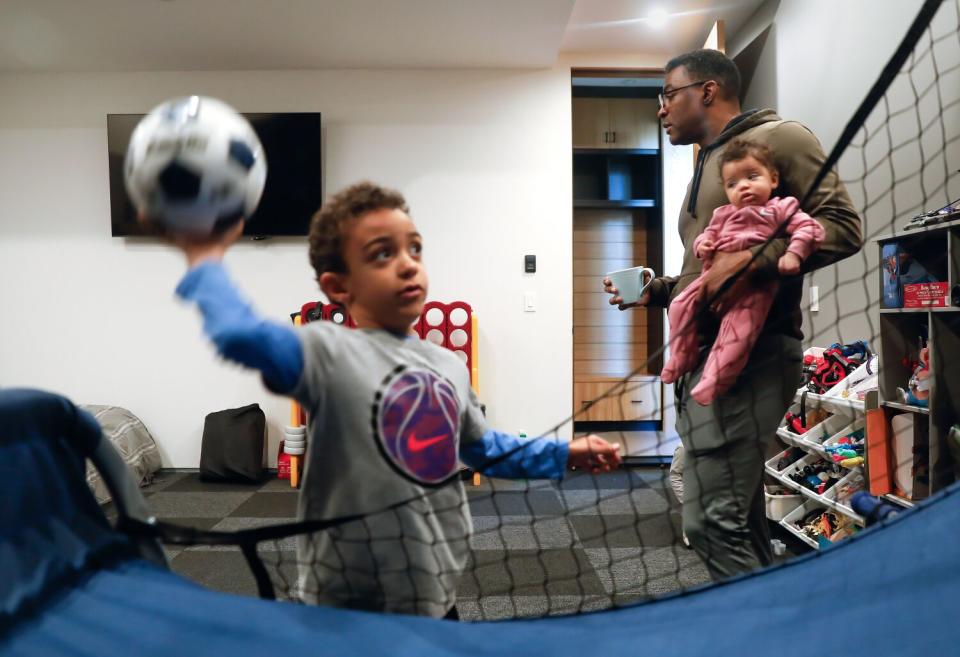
x,y
194,165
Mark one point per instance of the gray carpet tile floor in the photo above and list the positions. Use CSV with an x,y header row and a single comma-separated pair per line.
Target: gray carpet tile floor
x,y
588,542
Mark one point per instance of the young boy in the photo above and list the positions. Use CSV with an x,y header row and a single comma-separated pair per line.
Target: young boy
x,y
390,414
749,179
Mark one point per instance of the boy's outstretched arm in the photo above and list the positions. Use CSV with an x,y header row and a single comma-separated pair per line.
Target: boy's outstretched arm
x,y
595,453
498,454
230,322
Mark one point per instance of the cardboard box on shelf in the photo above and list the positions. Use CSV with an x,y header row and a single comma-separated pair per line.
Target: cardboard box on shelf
x,y
926,295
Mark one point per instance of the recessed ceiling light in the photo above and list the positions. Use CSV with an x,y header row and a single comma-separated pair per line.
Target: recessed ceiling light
x,y
657,18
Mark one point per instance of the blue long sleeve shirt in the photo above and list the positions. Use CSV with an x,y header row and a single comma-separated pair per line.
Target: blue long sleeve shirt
x,y
274,350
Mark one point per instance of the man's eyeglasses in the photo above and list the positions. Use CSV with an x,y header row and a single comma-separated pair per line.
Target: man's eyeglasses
x,y
667,96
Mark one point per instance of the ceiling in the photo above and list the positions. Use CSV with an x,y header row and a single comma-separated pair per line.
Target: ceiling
x,y
625,25
150,35
136,35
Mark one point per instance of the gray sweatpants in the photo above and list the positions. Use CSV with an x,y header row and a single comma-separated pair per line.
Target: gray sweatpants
x,y
725,446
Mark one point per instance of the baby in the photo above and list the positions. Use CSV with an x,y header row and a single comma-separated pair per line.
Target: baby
x,y
749,178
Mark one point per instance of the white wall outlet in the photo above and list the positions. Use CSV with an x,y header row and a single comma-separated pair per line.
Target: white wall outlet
x,y
530,302
814,298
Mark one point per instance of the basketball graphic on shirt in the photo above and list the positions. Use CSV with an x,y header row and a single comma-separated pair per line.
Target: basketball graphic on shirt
x,y
416,420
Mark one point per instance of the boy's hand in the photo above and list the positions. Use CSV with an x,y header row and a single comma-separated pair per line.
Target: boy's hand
x,y
197,248
595,453
789,264
617,300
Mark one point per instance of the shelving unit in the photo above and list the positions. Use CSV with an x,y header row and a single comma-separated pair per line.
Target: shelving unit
x,y
848,415
897,406
937,249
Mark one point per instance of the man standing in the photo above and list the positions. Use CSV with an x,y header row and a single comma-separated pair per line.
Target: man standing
x,y
726,442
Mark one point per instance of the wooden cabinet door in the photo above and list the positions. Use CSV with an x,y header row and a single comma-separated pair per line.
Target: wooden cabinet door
x,y
585,392
642,399
634,123
591,122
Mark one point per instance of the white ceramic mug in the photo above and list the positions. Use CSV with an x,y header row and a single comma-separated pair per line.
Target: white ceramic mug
x,y
632,283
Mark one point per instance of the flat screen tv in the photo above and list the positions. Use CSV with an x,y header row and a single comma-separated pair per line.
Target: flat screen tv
x,y
293,193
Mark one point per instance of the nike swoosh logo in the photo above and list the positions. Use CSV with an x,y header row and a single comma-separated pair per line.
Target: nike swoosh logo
x,y
418,444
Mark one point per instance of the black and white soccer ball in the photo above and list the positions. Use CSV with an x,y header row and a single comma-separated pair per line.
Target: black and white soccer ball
x,y
194,166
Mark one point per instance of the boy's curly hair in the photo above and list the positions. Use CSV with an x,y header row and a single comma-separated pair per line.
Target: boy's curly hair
x,y
740,148
327,228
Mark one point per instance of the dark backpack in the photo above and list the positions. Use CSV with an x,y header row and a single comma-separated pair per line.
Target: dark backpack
x,y
233,446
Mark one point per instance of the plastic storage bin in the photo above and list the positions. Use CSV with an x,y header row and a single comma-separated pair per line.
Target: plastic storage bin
x,y
791,520
855,384
858,424
840,493
778,506
772,466
814,436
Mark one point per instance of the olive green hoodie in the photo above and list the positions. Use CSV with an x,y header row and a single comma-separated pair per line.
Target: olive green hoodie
x,y
799,157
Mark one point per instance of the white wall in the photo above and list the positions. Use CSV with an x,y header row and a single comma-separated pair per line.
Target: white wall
x,y
482,156
829,54
753,48
678,168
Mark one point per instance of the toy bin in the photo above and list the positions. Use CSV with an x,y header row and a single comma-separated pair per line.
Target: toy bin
x,y
855,384
791,520
840,493
814,436
857,424
779,505
810,459
772,466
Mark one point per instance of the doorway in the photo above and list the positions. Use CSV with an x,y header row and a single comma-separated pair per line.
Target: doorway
x,y
617,224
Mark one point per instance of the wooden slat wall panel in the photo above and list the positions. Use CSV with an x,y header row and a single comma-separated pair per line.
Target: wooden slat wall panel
x,y
599,378
606,250
608,232
610,318
608,344
615,368
609,334
599,301
600,222
588,284
633,351
598,268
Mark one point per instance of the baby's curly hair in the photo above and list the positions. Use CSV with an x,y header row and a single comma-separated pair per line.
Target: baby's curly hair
x,y
739,149
327,228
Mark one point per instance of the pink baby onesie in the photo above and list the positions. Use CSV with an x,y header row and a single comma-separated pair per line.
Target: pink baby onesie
x,y
734,229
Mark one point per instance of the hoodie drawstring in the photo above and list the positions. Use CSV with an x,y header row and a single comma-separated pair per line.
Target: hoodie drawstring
x,y
695,188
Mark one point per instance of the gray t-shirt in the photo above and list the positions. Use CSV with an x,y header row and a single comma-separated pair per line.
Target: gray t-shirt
x,y
387,415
